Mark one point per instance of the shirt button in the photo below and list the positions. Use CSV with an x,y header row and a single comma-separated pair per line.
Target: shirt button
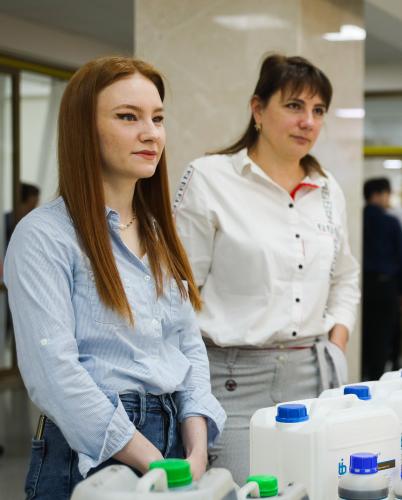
x,y
147,278
43,342
231,385
300,266
294,334
291,205
297,235
297,300
155,323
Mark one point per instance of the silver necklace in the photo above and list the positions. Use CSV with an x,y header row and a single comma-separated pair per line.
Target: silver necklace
x,y
122,227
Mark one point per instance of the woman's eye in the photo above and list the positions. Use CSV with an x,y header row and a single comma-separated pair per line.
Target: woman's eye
x,y
129,117
293,105
158,119
320,111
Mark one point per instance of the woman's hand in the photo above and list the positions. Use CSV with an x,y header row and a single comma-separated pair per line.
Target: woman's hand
x,y
339,335
194,434
139,452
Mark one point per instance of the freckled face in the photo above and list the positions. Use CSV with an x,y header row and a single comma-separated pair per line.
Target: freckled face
x,y
290,124
130,128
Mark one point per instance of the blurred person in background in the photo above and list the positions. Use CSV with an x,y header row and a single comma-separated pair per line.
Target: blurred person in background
x,y
29,199
382,267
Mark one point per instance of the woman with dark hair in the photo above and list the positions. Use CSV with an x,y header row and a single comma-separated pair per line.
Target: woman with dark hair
x,y
101,294
265,230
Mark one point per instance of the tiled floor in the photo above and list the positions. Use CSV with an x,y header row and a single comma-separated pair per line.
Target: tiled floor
x,y
15,436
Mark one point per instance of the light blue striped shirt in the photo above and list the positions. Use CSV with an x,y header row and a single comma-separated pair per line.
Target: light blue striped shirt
x,y
76,355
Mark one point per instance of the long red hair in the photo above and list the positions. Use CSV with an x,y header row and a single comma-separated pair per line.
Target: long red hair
x,y
80,185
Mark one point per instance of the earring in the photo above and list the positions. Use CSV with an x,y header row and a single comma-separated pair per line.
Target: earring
x,y
258,127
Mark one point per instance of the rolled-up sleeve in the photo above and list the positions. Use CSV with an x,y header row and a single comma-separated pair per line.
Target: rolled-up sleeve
x,y
39,275
196,399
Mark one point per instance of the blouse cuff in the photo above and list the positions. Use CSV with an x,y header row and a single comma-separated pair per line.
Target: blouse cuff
x,y
118,433
199,403
344,317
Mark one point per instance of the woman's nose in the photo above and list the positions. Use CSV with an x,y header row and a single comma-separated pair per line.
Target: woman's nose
x,y
149,132
307,120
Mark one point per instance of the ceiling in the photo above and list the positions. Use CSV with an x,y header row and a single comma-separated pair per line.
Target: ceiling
x,y
108,21
384,29
112,22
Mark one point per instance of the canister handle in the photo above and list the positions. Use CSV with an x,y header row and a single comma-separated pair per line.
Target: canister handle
x,y
154,480
250,489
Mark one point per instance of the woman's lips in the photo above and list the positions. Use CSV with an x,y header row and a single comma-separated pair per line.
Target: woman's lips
x,y
148,155
300,139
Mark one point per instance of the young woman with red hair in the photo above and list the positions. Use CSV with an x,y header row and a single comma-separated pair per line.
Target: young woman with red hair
x,y
102,294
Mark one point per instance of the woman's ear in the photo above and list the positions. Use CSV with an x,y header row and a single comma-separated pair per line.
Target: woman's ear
x,y
256,108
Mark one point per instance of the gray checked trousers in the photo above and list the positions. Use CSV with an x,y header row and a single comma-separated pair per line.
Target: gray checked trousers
x,y
245,379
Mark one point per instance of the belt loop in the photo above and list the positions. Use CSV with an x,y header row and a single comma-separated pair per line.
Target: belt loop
x,y
143,409
173,403
231,357
171,427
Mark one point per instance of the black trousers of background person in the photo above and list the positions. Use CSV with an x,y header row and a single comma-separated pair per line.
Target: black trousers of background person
x,y
380,322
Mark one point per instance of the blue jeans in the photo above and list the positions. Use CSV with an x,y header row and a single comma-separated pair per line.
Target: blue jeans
x,y
53,471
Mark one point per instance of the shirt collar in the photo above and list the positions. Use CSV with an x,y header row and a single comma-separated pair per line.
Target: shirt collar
x,y
314,178
111,215
241,160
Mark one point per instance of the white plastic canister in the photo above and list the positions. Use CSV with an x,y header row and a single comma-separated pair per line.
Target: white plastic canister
x,y
392,375
397,489
387,392
262,486
119,482
310,442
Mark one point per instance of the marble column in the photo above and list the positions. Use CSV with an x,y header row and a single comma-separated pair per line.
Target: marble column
x,y
210,52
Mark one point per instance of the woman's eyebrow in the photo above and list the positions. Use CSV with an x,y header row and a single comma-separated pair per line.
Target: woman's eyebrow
x,y
301,101
136,108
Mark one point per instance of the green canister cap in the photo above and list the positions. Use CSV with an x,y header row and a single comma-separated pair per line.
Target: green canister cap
x,y
268,485
177,470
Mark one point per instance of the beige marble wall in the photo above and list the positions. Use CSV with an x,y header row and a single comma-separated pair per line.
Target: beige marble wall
x,y
210,52
340,146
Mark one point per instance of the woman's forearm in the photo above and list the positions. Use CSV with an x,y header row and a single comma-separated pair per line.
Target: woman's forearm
x,y
139,452
339,335
195,439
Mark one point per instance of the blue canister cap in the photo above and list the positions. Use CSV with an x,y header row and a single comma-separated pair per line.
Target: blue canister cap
x,y
291,413
361,391
363,463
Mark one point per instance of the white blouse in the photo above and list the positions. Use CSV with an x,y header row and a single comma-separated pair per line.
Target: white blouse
x,y
271,268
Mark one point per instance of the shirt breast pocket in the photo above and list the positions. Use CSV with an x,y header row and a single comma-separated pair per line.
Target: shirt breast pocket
x,y
101,313
326,251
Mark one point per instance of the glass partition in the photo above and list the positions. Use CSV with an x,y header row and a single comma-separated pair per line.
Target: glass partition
x,y
40,97
6,207
30,95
